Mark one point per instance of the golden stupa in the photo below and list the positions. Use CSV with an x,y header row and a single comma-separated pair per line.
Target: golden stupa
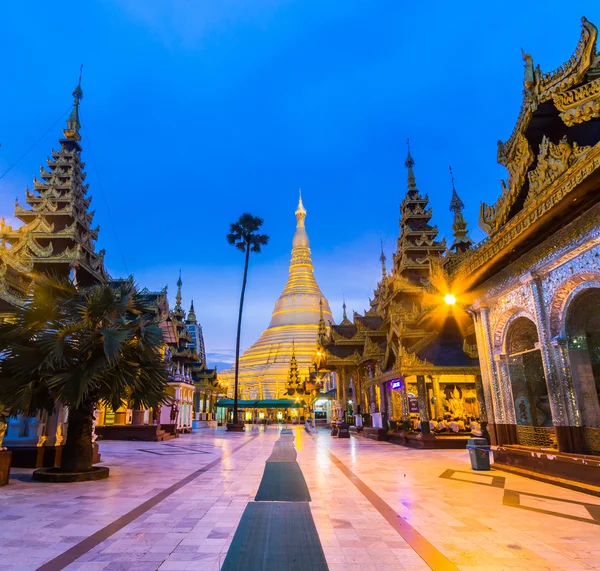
x,y
265,365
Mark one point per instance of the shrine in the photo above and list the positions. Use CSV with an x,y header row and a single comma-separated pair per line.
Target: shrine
x,y
533,285
402,376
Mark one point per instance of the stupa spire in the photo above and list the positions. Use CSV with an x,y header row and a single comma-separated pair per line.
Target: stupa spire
x,y
294,325
300,237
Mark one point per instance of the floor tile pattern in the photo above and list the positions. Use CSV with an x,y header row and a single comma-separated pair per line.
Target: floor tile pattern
x,y
477,520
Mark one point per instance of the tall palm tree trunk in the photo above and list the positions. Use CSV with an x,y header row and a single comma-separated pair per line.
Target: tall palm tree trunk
x,y
78,452
239,333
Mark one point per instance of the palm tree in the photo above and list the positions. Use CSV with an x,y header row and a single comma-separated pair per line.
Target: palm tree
x,y
243,235
81,348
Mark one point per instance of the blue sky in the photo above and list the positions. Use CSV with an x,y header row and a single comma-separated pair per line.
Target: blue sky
x,y
197,111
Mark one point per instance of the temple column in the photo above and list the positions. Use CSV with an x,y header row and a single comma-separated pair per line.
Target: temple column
x,y
405,408
359,398
483,417
423,405
438,405
344,381
385,404
197,403
554,389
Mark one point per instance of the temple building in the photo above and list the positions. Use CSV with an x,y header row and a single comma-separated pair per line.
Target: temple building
x,y
263,370
192,387
56,236
533,285
397,369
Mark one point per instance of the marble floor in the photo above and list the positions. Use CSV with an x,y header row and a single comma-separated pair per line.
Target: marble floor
x,y
175,505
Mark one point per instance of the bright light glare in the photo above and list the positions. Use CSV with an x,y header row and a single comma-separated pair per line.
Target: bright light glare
x,y
449,299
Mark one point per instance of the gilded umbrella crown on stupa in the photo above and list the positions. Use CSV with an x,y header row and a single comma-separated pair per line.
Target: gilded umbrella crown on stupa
x,y
264,366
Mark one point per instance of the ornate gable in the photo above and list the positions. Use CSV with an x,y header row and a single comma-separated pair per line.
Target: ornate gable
x,y
568,95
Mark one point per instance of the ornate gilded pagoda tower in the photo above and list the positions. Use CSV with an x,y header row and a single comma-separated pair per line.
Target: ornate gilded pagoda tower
x,y
57,234
293,329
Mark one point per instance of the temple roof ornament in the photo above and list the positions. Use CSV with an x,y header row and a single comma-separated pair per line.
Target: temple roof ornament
x,y
574,90
73,124
56,235
462,242
178,298
383,259
409,163
191,316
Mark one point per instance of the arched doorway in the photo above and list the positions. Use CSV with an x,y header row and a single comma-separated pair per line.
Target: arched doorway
x,y
528,383
583,338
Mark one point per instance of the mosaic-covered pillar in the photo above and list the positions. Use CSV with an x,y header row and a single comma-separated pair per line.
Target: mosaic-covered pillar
x,y
483,416
499,387
565,380
554,388
506,394
484,365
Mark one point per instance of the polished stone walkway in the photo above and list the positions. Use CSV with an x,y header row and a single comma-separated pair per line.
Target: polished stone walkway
x,y
176,505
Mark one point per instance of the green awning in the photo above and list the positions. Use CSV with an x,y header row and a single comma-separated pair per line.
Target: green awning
x,y
280,403
277,403
228,403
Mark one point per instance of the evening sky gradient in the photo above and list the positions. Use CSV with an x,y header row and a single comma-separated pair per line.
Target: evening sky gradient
x,y
197,111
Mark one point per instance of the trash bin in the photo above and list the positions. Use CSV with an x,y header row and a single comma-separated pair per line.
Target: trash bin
x,y
479,452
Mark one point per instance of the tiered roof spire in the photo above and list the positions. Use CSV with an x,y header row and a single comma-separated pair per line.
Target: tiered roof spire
x,y
462,241
418,239
410,163
57,235
73,124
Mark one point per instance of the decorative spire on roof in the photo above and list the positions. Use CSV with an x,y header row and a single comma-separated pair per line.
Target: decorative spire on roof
x,y
293,371
191,316
409,163
344,309
383,259
322,330
178,296
462,242
73,125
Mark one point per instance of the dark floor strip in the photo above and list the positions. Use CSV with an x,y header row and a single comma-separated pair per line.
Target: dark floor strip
x,y
277,531
434,558
81,548
282,482
276,536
